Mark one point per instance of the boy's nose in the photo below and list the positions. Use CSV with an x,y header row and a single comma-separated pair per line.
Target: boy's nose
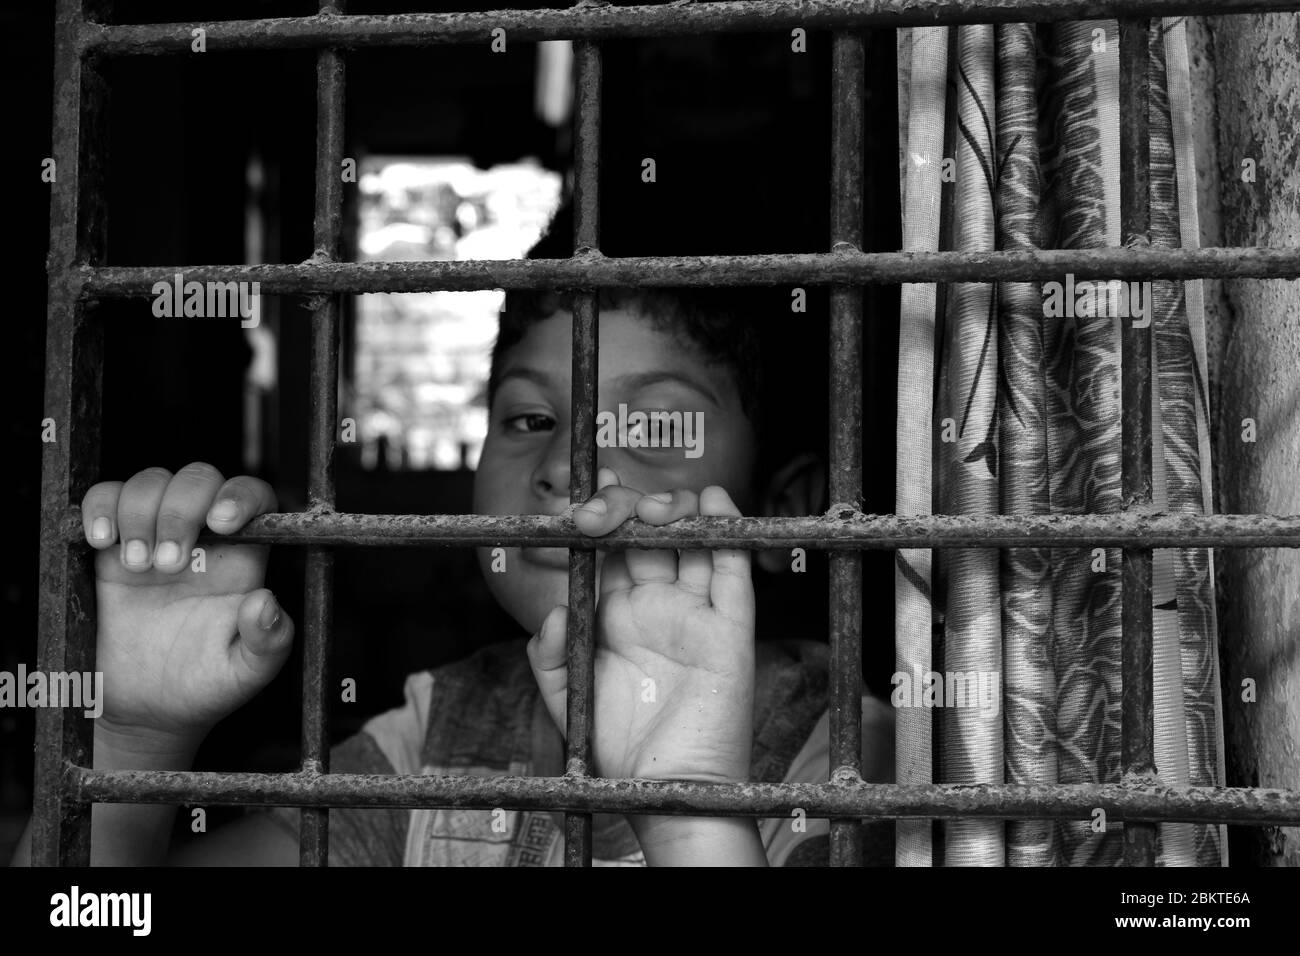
x,y
550,479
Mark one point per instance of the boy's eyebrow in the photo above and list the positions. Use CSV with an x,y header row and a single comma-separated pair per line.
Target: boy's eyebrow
x,y
529,374
640,380
631,382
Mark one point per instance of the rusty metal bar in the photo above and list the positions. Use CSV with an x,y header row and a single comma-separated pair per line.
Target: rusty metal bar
x,y
813,268
847,94
331,80
73,391
1137,736
600,21
582,453
1243,805
844,530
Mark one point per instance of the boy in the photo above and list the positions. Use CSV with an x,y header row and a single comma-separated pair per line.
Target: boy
x,y
682,689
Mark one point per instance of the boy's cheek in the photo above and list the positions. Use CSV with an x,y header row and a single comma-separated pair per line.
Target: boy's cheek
x,y
526,592
487,487
501,480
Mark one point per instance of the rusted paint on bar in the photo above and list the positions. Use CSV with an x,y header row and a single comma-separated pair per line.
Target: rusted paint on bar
x,y
331,78
594,794
843,530
1137,736
581,637
813,268
845,583
594,21
73,379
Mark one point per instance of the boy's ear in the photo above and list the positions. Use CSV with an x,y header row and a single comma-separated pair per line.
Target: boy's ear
x,y
795,490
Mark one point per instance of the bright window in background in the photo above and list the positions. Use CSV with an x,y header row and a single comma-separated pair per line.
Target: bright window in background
x,y
419,386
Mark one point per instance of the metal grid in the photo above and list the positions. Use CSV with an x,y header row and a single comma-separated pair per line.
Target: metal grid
x,y
66,788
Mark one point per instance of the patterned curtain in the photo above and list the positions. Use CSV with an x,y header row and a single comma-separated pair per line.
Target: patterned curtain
x,y
1009,402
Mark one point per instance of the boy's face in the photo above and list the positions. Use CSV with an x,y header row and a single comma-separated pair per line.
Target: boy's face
x,y
524,467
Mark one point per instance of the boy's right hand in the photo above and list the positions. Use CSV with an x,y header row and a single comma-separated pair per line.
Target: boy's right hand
x,y
180,648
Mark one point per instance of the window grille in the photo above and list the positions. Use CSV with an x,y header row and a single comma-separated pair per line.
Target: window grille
x,y
66,787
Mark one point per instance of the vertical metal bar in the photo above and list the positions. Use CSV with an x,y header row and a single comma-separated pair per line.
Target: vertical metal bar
x,y
1137,721
846,433
582,461
313,847
73,391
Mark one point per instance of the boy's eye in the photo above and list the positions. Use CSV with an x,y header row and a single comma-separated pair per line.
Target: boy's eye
x,y
668,435
657,432
529,422
662,434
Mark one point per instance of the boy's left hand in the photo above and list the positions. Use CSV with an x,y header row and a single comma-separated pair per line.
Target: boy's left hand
x,y
674,693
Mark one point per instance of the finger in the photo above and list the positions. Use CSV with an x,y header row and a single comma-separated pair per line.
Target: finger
x,y
652,565
694,567
606,510
99,513
137,513
265,638
180,516
668,506
240,500
606,477
548,655
730,590
613,573
695,571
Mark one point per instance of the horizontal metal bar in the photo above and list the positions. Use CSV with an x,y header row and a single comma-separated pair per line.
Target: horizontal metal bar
x,y
603,21
593,271
1134,801
843,529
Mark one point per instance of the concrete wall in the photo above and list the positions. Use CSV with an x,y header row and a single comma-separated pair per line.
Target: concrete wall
x,y
1246,81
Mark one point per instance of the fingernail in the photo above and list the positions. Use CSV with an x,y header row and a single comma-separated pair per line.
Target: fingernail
x,y
595,506
168,553
136,553
270,615
662,499
225,510
101,529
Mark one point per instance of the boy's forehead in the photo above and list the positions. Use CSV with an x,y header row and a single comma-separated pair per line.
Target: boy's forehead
x,y
629,346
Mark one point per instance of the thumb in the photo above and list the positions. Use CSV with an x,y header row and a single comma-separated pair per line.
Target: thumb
x,y
548,655
265,637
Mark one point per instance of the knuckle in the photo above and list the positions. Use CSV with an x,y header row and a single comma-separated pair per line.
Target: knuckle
x,y
200,471
135,519
154,473
101,493
244,487
170,517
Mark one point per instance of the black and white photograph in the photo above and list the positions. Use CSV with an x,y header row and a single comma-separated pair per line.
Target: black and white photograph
x,y
708,433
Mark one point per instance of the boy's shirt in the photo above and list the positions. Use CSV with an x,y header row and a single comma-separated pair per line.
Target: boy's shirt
x,y
484,716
